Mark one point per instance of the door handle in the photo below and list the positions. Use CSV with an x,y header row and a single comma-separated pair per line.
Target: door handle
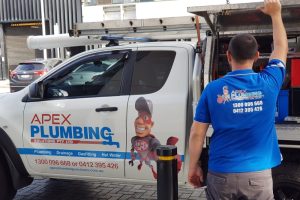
x,y
106,109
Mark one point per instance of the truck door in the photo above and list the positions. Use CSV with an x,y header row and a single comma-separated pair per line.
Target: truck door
x,y
157,108
79,127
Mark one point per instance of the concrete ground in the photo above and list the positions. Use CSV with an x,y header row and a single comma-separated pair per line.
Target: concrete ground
x,y
52,189
4,86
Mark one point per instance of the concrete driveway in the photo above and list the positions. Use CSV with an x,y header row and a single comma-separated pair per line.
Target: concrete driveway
x,y
4,86
52,189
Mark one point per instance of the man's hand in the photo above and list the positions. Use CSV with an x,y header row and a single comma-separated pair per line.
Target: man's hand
x,y
271,7
195,176
196,141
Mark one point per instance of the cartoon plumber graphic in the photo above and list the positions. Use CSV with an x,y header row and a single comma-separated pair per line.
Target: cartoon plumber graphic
x,y
225,97
144,143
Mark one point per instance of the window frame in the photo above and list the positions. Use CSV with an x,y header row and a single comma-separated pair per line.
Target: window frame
x,y
68,68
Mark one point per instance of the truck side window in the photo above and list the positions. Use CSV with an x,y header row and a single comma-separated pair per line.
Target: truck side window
x,y
97,77
151,71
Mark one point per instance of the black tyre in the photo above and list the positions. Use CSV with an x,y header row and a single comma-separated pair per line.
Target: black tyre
x,y
6,190
286,179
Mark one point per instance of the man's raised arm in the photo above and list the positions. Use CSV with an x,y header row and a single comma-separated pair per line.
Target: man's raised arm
x,y
273,9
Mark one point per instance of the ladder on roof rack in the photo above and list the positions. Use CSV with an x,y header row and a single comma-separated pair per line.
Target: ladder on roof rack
x,y
170,28
96,34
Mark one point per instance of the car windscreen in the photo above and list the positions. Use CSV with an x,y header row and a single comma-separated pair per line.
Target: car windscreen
x,y
30,66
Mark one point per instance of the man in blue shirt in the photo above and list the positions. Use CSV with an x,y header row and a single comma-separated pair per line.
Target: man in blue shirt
x,y
241,108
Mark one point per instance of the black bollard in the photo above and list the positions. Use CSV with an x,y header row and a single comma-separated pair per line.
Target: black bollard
x,y
167,177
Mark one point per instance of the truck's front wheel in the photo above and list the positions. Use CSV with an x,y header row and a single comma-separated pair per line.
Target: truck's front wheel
x,y
286,179
6,190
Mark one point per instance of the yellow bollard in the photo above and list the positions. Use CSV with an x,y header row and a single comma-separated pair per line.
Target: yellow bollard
x,y
167,177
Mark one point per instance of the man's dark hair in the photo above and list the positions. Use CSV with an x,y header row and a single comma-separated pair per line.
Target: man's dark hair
x,y
243,47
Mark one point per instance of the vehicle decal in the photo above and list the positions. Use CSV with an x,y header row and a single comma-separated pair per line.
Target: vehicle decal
x,y
144,143
78,153
73,153
57,128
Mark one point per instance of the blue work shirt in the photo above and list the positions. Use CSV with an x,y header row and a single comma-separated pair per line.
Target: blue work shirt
x,y
241,108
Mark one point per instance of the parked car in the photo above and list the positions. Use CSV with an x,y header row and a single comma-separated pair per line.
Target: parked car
x,y
28,71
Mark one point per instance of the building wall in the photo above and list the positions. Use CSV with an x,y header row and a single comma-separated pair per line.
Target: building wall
x,y
63,12
144,10
94,10
16,47
21,18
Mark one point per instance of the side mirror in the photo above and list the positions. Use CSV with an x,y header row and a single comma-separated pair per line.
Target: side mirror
x,y
36,91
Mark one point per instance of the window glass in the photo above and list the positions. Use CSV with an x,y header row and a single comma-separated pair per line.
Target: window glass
x,y
97,77
151,71
30,66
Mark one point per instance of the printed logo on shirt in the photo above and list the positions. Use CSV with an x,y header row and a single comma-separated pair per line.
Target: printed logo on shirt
x,y
242,100
238,95
225,97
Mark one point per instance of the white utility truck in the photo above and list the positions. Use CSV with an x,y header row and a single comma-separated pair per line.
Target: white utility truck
x,y
102,113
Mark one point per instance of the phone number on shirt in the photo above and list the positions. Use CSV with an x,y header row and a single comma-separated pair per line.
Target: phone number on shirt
x,y
247,107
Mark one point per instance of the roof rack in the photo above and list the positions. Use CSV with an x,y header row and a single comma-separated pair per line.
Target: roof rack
x,y
170,28
114,39
121,31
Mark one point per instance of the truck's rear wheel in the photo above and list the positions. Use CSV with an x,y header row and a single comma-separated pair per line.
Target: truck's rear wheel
x,y
286,180
6,190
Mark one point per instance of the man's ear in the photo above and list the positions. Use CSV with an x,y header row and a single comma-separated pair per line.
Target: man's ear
x,y
256,56
152,124
229,57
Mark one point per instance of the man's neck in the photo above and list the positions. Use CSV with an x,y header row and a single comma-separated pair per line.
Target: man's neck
x,y
244,65
241,67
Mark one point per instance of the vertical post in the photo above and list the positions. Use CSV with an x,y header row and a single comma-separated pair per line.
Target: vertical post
x,y
2,76
167,177
3,54
43,26
56,32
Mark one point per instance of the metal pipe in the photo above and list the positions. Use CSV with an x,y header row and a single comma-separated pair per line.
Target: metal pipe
x,y
196,80
61,40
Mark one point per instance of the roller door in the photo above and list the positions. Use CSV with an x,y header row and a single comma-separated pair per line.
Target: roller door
x,y
16,47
